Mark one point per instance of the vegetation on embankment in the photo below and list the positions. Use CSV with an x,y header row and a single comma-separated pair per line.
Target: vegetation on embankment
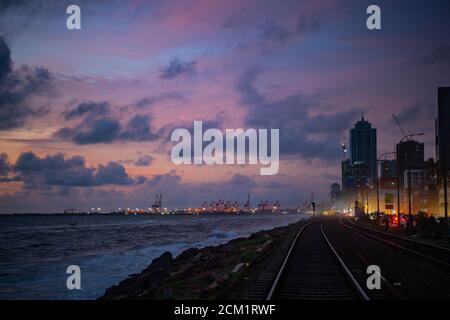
x,y
223,271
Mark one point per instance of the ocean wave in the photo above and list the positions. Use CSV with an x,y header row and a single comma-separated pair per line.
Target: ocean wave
x,y
222,234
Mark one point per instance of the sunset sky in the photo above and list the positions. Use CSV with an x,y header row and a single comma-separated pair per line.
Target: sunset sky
x,y
86,115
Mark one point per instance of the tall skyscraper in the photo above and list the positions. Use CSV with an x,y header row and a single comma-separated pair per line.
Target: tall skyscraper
x,y
410,155
363,146
443,127
443,147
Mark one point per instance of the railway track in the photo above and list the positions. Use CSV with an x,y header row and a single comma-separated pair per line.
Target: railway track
x,y
436,255
313,270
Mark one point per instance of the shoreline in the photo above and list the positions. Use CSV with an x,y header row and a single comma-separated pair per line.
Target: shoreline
x,y
226,271
117,214
105,256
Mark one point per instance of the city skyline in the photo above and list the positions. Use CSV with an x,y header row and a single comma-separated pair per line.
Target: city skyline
x,y
86,115
372,182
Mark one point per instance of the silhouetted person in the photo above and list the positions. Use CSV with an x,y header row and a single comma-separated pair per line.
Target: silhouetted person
x,y
377,219
432,219
409,224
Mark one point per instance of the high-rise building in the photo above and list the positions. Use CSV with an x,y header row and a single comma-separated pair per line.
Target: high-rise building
x,y
363,146
410,155
443,145
388,169
335,191
354,175
356,185
443,127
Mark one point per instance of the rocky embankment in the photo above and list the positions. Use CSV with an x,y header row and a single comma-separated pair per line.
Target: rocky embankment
x,y
225,271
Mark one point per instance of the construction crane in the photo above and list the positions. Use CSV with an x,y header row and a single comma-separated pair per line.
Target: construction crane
x,y
405,136
398,124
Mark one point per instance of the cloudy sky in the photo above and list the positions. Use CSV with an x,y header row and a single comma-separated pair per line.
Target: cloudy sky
x,y
86,115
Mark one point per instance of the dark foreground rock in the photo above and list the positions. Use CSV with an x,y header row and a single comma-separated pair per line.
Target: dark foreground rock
x,y
224,271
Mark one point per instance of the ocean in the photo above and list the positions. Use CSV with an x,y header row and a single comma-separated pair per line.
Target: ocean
x,y
35,250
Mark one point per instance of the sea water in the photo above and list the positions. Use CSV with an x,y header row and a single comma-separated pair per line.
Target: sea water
x,y
35,250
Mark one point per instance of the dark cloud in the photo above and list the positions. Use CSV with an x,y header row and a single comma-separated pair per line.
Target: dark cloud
x,y
53,170
275,34
91,108
439,54
177,68
100,125
90,132
241,180
155,99
56,170
138,129
17,87
144,161
5,59
302,134
112,173
5,166
165,180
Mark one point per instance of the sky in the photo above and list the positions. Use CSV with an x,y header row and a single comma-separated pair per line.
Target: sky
x,y
86,115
